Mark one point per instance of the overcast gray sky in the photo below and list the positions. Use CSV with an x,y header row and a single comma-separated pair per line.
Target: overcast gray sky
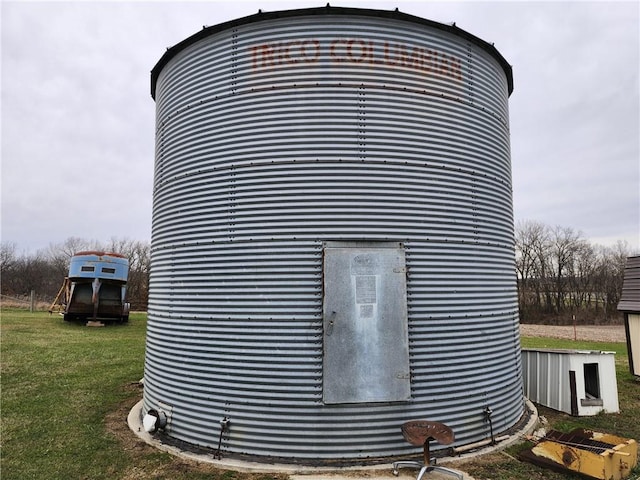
x,y
78,119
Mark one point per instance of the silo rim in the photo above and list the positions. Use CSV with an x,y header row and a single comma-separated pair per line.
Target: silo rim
x,y
263,16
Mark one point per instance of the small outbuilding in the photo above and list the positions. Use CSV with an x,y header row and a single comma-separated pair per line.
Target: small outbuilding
x,y
332,240
577,382
629,305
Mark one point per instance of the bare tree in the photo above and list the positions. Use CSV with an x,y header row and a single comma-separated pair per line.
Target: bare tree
x,y
610,276
138,254
582,276
8,255
564,245
8,262
532,240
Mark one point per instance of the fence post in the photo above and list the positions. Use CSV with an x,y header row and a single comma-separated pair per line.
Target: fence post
x,y
32,301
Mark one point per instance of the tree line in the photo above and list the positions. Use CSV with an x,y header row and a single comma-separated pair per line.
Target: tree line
x,y
44,271
560,274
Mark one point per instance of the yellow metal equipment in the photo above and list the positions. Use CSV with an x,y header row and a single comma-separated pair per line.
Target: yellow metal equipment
x,y
593,454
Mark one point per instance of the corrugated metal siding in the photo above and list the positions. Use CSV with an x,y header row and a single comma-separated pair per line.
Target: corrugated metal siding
x,y
256,168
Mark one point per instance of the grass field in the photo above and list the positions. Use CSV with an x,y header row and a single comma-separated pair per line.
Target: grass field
x,y
59,381
66,389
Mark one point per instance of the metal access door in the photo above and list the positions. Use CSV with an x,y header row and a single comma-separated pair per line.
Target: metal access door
x,y
366,346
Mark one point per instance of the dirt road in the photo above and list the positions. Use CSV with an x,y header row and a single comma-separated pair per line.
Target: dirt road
x,y
594,333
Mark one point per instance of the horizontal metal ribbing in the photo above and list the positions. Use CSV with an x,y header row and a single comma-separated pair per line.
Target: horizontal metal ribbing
x,y
276,137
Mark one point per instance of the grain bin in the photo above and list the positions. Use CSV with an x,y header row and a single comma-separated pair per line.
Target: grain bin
x,y
332,240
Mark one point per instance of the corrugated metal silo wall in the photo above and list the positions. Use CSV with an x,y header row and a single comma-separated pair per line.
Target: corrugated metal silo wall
x,y
276,136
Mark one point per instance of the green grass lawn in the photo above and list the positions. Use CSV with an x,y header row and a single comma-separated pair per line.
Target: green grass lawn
x,y
62,382
59,381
